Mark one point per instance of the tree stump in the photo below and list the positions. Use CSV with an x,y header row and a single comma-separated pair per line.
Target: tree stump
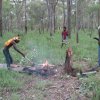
x,y
68,62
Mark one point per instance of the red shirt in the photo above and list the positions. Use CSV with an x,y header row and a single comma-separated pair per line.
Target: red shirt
x,y
64,34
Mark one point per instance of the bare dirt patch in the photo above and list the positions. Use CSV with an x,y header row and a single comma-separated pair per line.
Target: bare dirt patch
x,y
57,87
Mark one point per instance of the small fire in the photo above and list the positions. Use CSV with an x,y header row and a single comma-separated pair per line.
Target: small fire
x,y
46,64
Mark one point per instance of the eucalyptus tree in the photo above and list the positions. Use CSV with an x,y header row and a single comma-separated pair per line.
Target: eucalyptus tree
x,y
38,16
69,16
25,17
5,15
64,12
99,13
1,18
77,20
20,12
51,5
93,14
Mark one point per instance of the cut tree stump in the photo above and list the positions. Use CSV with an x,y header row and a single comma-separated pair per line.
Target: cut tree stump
x,y
68,63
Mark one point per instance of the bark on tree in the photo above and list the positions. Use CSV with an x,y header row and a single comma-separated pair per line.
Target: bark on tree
x,y
77,21
99,15
91,23
69,17
68,62
48,11
51,4
25,19
0,18
64,13
18,12
42,28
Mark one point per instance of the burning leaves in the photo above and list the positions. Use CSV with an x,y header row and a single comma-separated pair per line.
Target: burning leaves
x,y
46,64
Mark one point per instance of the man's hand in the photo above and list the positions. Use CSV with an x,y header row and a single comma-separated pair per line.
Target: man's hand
x,y
96,38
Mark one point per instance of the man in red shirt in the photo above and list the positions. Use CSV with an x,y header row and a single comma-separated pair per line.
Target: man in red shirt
x,y
64,35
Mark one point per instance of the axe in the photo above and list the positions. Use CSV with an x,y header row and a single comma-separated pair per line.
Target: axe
x,y
29,60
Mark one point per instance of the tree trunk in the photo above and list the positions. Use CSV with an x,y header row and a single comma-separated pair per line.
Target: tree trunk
x,y
99,15
91,24
77,21
25,19
18,12
68,62
54,19
1,18
51,4
64,15
48,11
69,17
51,25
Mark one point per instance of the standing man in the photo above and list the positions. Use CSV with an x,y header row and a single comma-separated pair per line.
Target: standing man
x,y
64,35
8,44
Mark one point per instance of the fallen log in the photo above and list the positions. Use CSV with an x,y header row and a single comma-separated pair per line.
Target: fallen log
x,y
3,66
88,73
38,71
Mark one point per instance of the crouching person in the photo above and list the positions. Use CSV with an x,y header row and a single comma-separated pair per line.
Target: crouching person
x,y
8,44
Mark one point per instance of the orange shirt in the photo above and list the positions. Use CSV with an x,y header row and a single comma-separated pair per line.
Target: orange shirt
x,y
10,41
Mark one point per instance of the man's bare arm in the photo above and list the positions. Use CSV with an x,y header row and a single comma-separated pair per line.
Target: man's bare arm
x,y
14,46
